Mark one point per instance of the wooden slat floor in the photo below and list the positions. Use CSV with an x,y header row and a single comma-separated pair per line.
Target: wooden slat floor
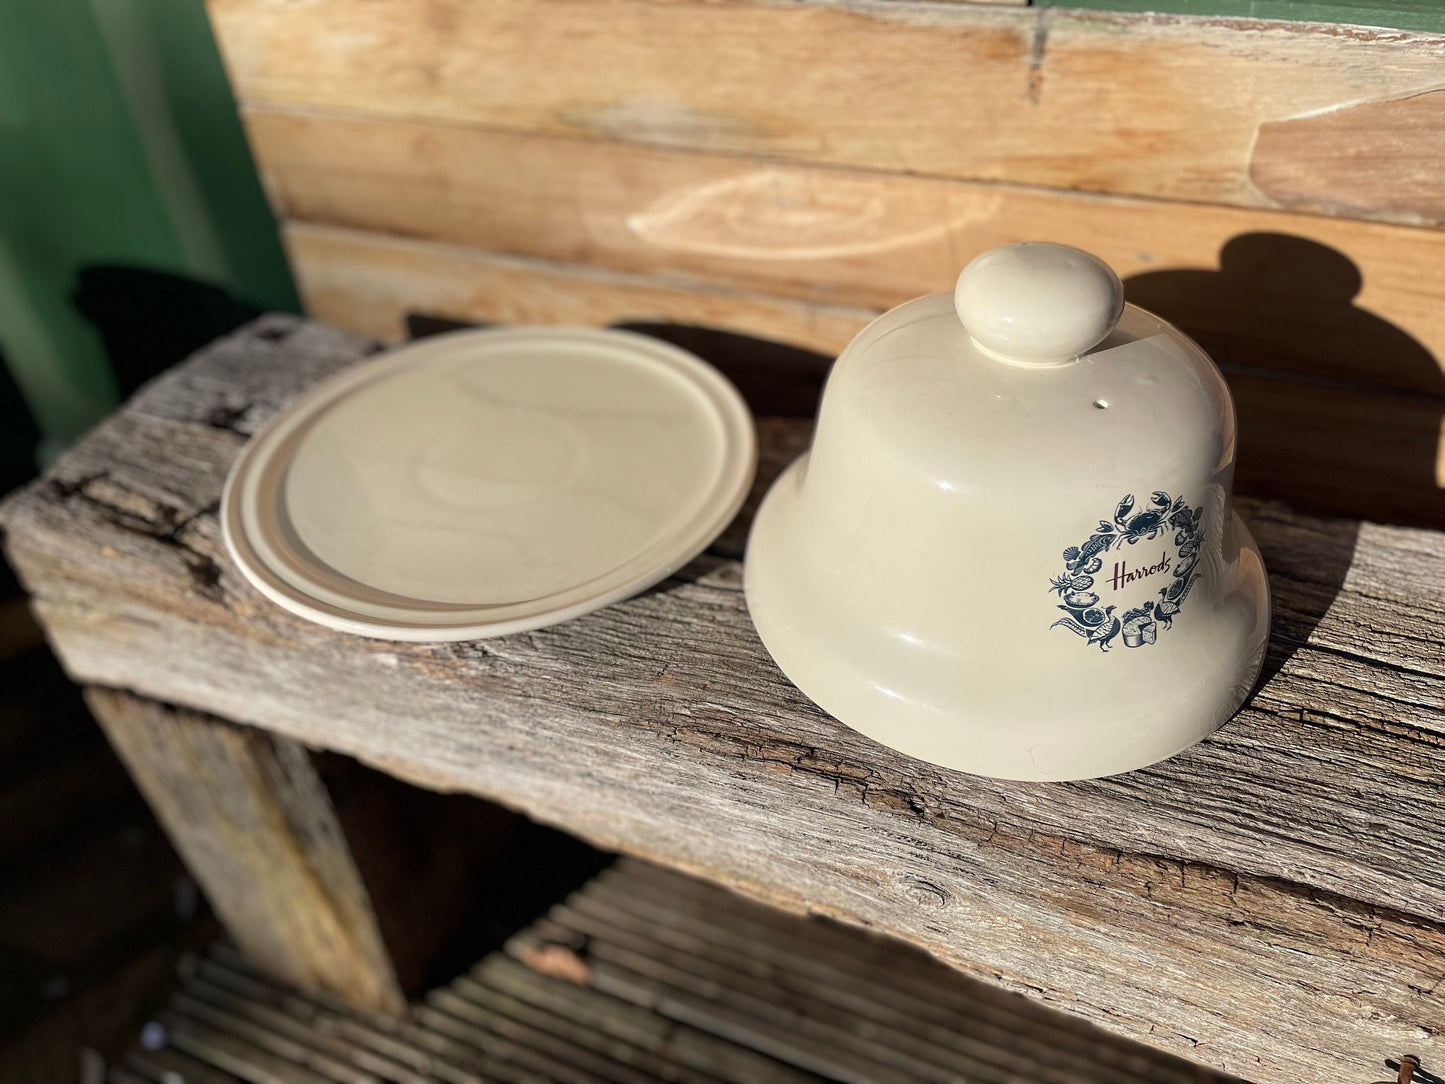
x,y
644,975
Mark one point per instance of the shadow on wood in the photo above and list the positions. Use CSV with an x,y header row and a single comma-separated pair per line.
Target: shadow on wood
x,y
1314,570
777,380
1280,319
450,876
786,382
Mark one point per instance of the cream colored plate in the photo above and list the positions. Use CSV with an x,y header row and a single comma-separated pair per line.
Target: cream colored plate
x,y
486,482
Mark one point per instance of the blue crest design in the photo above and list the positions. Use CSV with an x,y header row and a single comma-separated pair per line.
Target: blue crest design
x,y
1139,626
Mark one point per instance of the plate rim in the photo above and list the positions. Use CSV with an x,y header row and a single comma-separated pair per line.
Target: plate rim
x,y
462,621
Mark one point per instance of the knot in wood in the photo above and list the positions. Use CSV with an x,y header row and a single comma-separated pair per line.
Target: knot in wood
x,y
924,893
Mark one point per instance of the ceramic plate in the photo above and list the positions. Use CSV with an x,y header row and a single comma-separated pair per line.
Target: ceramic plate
x,y
486,482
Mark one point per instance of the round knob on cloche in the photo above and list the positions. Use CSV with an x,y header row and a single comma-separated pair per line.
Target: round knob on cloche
x,y
1038,304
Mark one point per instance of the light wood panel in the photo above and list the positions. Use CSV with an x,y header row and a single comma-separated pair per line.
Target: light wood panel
x,y
1149,105
1340,448
1270,902
1330,298
369,283
1382,158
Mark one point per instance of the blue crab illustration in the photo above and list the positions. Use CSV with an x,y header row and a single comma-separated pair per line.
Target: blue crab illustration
x,y
1147,524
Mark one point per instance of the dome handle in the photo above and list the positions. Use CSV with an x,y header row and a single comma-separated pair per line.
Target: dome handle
x,y
1038,304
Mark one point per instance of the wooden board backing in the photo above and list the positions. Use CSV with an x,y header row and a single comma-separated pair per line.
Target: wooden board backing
x,y
368,284
1316,296
1165,106
1270,903
1332,445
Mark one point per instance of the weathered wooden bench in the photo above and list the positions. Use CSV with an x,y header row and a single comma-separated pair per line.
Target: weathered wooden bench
x,y
1270,903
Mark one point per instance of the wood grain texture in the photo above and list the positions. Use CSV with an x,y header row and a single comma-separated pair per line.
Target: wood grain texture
x,y
1330,445
1142,105
680,982
814,994
1299,299
1385,156
368,283
257,830
1272,902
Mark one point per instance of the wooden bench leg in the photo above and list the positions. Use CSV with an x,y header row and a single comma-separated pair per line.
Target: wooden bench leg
x,y
255,825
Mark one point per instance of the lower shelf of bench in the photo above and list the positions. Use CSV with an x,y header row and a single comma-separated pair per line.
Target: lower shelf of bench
x,y
645,975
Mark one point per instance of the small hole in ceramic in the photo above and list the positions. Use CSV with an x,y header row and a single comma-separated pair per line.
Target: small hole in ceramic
x,y
1101,404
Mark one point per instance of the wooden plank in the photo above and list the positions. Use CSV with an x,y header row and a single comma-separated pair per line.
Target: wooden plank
x,y
369,283
889,994
1341,450
502,1006
1373,157
380,1040
877,977
1331,298
820,1035
255,1015
1338,448
255,827
1272,902
526,1026
1166,106
696,1050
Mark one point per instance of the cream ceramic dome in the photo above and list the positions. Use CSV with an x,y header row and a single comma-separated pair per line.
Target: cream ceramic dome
x,y
1011,548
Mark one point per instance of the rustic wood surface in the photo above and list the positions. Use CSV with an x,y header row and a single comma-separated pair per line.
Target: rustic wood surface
x,y
1335,445
369,283
868,239
257,830
1168,106
1272,902
1362,158
642,977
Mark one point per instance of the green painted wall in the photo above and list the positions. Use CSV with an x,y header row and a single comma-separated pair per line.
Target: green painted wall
x,y
119,143
1428,15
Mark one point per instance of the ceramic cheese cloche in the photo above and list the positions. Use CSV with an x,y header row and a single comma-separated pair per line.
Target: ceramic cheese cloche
x,y
1011,548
